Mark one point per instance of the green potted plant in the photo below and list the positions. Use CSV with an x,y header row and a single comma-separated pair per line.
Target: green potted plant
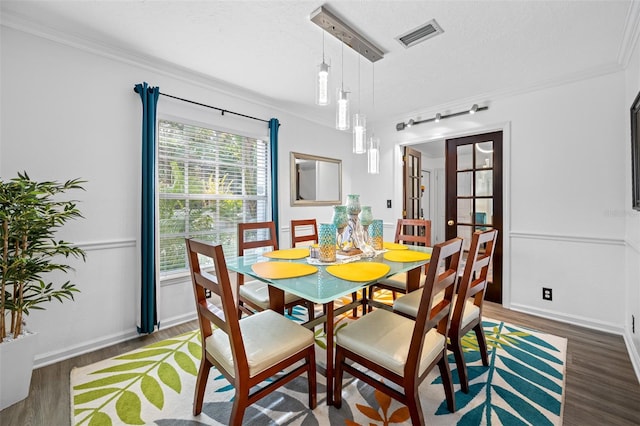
x,y
30,214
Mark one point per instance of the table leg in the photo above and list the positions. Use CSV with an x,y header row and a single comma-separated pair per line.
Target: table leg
x,y
276,299
329,311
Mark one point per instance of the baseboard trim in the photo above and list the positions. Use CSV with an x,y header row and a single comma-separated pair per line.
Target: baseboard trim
x,y
633,353
607,327
113,339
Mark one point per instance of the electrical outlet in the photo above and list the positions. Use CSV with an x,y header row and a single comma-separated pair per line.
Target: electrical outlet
x,y
388,204
207,293
547,293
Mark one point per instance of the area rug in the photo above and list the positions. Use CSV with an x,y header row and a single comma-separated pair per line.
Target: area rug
x,y
523,384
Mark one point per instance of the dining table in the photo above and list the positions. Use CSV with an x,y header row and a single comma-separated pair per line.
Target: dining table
x,y
323,288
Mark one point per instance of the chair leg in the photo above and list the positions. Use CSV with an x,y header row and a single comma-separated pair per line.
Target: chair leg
x,y
482,343
240,404
310,310
413,404
456,348
354,298
201,384
445,373
337,392
311,377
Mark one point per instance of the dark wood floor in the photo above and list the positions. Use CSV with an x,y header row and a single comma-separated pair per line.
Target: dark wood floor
x,y
601,386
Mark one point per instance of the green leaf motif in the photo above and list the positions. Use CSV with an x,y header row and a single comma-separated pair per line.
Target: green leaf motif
x,y
152,391
169,376
100,419
186,363
128,408
125,367
144,354
106,381
162,343
83,398
195,350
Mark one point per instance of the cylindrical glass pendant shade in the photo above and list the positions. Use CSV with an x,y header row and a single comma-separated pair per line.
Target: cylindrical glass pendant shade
x,y
342,110
359,134
373,156
322,85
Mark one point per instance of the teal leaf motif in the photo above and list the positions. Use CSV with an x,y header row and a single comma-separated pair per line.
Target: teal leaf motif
x,y
533,361
473,417
534,350
531,392
531,374
522,407
506,418
535,340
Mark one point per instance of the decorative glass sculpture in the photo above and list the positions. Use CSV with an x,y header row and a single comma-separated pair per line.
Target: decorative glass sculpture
x,y
340,221
353,204
366,217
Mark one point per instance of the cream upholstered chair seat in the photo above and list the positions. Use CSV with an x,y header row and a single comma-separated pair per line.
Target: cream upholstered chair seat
x,y
408,305
384,338
268,339
258,293
399,281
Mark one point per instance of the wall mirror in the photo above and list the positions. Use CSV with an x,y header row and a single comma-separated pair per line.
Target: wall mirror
x,y
315,181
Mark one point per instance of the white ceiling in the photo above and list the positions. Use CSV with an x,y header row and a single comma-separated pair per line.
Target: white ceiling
x,y
272,48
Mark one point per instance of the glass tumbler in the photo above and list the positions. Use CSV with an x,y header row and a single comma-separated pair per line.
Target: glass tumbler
x,y
375,234
327,242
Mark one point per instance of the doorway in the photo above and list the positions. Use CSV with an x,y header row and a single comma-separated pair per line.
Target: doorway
x,y
473,167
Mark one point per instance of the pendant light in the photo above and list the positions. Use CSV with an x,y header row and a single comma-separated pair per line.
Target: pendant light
x,y
322,83
359,123
373,144
342,108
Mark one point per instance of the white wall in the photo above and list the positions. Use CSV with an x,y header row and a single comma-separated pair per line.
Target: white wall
x,y
632,222
68,112
565,163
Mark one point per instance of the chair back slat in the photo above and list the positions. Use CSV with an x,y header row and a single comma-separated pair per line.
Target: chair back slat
x,y
229,321
429,316
296,237
271,240
475,277
415,231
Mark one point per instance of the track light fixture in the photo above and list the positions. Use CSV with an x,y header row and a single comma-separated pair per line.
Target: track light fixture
x,y
475,108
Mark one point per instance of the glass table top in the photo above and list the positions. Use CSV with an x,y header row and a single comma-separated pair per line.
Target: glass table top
x,y
321,287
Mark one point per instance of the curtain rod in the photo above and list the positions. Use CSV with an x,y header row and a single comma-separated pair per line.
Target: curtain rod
x,y
212,107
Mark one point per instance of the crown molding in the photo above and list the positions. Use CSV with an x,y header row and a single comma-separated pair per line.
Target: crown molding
x,y
631,34
25,25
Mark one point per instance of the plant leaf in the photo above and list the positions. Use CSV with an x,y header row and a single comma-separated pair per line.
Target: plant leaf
x,y
186,363
100,419
128,408
163,343
195,350
530,391
400,415
531,374
169,376
125,367
527,411
384,400
85,397
152,391
144,354
370,412
109,380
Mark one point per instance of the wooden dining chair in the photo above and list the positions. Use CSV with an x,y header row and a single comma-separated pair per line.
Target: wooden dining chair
x,y
467,312
246,351
253,296
408,231
400,349
304,231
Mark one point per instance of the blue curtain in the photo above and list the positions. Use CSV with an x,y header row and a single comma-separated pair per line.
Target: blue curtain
x,y
148,316
274,125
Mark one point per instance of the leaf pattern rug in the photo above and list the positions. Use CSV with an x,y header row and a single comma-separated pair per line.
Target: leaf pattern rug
x,y
523,385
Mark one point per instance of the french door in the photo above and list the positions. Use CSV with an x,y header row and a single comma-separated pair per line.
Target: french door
x,y
473,167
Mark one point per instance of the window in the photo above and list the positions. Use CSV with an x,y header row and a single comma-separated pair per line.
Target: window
x,y
208,182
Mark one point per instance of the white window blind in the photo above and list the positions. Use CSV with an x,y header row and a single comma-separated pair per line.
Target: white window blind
x,y
208,182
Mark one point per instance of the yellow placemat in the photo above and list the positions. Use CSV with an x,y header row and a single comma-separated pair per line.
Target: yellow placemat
x,y
394,246
297,253
359,271
406,256
278,270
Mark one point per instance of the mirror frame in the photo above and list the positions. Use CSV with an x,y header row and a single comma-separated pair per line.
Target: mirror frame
x,y
293,180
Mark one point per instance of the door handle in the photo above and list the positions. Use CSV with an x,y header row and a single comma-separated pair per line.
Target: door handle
x,y
450,222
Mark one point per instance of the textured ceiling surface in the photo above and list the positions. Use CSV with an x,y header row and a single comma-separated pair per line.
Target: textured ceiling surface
x,y
273,49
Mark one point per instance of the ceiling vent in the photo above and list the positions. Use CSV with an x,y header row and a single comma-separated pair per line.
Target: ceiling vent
x,y
420,34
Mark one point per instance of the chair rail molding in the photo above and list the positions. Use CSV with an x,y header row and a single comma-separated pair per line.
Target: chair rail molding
x,y
582,239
